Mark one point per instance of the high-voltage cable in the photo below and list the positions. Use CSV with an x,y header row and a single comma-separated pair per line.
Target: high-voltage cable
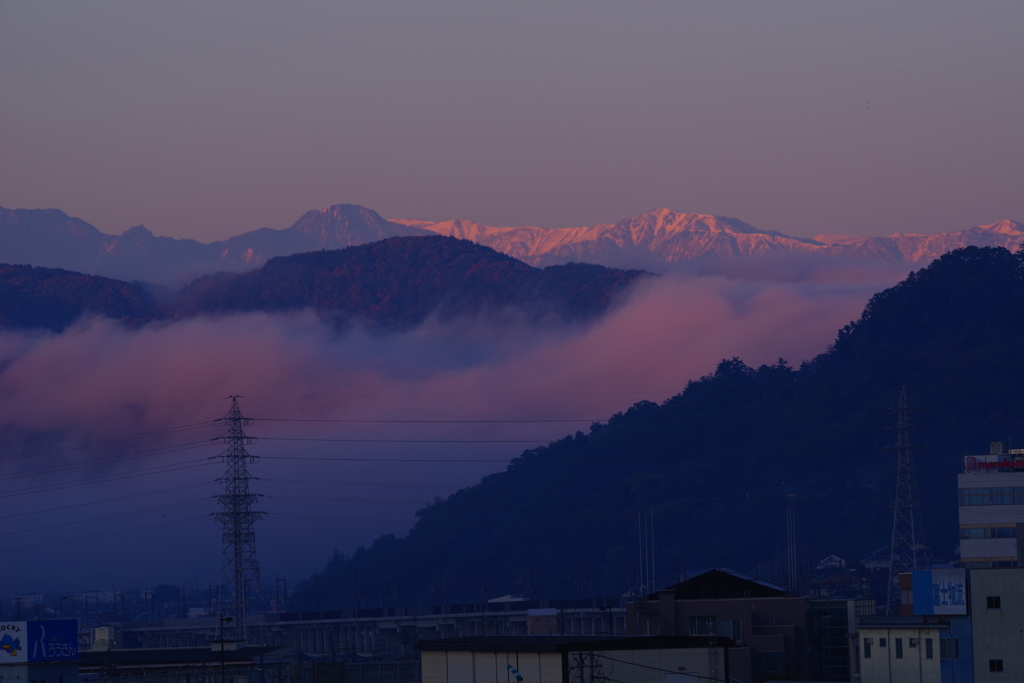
x,y
106,478
110,534
161,450
111,441
104,517
288,419
109,500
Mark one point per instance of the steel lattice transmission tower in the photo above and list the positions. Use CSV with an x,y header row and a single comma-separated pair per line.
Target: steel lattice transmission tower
x,y
906,552
241,570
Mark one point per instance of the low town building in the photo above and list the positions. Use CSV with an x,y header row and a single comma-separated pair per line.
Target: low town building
x,y
768,624
575,659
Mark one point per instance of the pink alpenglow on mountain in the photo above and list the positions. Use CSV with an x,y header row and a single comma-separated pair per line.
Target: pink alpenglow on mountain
x,y
656,237
665,237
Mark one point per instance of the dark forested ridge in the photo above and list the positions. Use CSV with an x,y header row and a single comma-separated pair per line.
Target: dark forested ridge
x,y
398,282
51,298
389,284
711,460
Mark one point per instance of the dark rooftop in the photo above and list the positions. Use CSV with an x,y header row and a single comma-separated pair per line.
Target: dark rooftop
x,y
722,584
566,643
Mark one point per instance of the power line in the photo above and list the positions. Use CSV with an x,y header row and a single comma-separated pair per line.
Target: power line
x,y
550,393
107,442
348,483
64,418
111,516
339,519
162,450
339,459
285,419
285,438
346,500
150,527
144,472
109,500
534,461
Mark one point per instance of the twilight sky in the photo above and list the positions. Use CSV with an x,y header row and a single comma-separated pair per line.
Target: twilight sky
x,y
204,120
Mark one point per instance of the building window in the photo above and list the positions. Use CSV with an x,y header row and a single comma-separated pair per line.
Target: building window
x,y
702,626
867,648
989,532
913,642
929,649
730,628
899,648
994,602
1007,495
881,642
995,665
767,663
949,648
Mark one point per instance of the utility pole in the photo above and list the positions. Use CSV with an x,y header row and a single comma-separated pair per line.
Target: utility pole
x,y
791,575
240,569
905,553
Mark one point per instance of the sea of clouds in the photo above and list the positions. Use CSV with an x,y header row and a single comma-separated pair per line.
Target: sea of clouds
x,y
123,513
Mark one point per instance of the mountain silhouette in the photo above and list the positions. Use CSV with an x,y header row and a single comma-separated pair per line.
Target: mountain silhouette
x,y
389,284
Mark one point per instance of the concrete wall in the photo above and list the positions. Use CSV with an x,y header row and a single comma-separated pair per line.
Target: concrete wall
x,y
652,666
883,666
634,666
491,667
41,672
998,633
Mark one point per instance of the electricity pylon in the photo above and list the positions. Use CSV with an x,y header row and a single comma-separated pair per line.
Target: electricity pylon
x,y
240,569
906,552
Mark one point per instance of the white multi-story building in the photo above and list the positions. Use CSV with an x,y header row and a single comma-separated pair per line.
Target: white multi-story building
x,y
992,508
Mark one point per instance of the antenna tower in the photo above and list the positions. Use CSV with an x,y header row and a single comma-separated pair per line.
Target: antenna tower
x,y
906,552
240,569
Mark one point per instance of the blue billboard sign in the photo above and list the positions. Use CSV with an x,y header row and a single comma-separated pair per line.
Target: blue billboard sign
x,y
52,640
940,591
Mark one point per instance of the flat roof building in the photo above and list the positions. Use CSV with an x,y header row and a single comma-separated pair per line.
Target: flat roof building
x,y
575,659
901,649
991,506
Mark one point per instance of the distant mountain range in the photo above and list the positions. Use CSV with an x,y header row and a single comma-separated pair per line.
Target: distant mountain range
x,y
663,238
388,285
659,240
51,238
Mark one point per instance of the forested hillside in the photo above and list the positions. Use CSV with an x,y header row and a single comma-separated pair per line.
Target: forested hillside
x,y
391,284
398,282
714,461
51,298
